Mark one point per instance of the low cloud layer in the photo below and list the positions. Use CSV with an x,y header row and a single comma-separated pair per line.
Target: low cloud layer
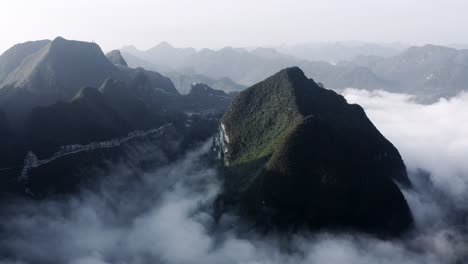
x,y
164,215
433,137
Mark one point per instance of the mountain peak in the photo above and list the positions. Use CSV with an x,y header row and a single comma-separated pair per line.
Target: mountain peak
x,y
130,49
116,58
283,97
287,83
164,45
53,68
59,39
14,56
293,73
298,155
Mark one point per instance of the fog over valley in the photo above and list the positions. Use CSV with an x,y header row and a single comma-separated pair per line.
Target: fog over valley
x,y
172,223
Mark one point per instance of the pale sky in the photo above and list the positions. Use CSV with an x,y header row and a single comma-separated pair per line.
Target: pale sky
x,y
217,23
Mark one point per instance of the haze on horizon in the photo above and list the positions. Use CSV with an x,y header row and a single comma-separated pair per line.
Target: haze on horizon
x,y
214,23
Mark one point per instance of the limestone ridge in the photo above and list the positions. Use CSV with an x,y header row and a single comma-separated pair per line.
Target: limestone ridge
x,y
57,70
298,155
62,67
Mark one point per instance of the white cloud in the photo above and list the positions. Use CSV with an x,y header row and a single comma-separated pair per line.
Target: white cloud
x,y
432,137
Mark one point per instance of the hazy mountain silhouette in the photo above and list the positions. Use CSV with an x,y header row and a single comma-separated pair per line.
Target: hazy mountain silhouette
x,y
429,72
182,81
248,67
115,57
335,52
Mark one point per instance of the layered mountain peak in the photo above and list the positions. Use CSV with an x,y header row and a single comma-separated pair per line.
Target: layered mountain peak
x,y
162,48
164,45
61,68
298,155
116,58
292,74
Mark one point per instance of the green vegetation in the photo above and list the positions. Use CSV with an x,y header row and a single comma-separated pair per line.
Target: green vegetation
x,y
299,155
264,115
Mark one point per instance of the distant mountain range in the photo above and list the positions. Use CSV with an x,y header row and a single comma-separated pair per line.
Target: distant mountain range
x,y
429,72
335,52
240,65
183,80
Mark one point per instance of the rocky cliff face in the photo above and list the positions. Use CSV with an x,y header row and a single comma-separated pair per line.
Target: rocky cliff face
x,y
298,155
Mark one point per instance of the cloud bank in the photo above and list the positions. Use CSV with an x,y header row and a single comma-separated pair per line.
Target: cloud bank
x,y
164,215
433,137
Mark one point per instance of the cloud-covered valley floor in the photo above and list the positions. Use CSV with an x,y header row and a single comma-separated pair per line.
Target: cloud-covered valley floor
x,y
164,215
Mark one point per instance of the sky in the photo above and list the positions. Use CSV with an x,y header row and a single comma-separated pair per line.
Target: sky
x,y
218,23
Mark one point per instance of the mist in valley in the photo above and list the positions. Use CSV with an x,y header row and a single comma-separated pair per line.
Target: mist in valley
x,y
165,215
